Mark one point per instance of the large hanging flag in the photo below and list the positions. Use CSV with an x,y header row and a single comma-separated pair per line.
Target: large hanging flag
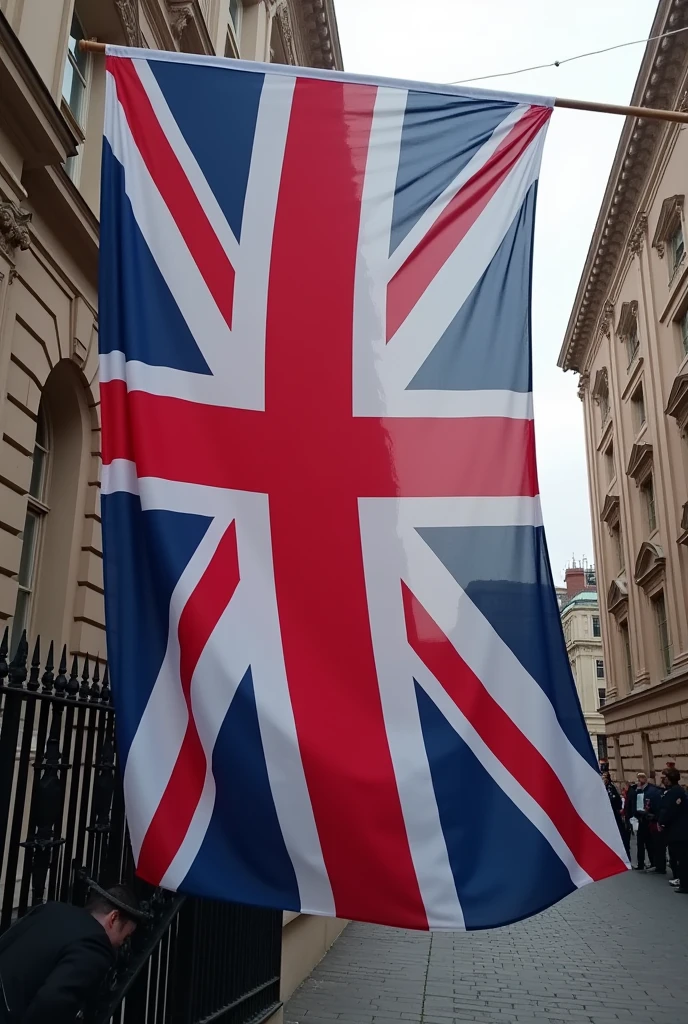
x,y
340,678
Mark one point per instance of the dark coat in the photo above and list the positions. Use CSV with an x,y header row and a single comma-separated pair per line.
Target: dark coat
x,y
653,798
52,963
614,798
673,815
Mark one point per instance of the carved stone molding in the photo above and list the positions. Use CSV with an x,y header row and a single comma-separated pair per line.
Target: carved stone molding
x,y
617,598
319,34
181,12
649,565
635,242
628,318
677,405
610,510
683,536
128,11
640,462
661,76
283,16
668,222
607,319
583,384
14,229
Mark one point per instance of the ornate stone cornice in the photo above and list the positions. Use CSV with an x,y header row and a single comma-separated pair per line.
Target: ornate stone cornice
x,y
128,11
617,598
14,229
583,385
659,84
677,406
649,565
319,29
610,510
639,463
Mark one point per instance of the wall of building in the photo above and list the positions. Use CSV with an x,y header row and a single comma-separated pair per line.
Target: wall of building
x,y
50,529
633,407
580,621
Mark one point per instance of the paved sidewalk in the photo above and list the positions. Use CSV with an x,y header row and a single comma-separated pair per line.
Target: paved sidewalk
x,y
615,951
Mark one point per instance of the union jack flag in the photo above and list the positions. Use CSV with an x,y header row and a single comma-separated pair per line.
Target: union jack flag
x,y
340,678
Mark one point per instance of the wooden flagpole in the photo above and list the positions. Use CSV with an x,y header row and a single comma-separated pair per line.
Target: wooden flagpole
x,y
680,116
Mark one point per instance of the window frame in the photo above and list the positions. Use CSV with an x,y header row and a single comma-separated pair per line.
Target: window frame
x,y
662,631
601,696
36,512
77,118
647,490
596,619
599,668
627,654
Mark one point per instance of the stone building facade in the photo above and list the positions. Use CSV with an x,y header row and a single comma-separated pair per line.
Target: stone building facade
x,y
580,620
51,114
627,338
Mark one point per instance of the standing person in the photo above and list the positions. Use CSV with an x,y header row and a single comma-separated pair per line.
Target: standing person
x,y
643,805
617,807
673,818
54,960
662,840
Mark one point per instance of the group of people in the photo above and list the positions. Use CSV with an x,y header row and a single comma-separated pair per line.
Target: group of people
x,y
658,815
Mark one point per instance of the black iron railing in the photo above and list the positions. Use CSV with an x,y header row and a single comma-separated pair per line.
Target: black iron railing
x,y
62,821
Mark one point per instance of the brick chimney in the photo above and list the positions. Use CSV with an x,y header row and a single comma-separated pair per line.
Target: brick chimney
x,y
575,582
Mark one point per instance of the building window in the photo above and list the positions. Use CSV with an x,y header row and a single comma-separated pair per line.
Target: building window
x,y
36,511
683,324
601,697
632,343
617,540
609,462
596,631
235,9
676,249
602,748
665,650
626,644
599,668
74,81
638,408
648,492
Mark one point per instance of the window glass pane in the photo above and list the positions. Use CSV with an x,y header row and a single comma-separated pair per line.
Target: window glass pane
x,y
37,473
235,12
19,623
596,631
600,668
74,81
684,332
28,549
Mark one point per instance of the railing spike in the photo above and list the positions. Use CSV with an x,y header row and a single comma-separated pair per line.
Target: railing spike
x,y
73,683
4,647
34,682
17,667
48,674
61,681
105,695
84,689
94,692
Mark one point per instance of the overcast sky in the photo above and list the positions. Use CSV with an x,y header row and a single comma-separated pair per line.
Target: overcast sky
x,y
446,40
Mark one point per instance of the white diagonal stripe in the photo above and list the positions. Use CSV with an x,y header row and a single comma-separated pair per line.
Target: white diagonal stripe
x,y
427,321
437,208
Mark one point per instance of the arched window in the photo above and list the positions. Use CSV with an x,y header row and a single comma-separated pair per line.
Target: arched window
x,y
34,524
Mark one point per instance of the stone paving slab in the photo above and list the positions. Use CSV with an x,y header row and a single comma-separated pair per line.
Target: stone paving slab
x,y
615,951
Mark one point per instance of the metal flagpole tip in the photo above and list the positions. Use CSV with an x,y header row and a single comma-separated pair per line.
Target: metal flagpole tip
x,y
136,914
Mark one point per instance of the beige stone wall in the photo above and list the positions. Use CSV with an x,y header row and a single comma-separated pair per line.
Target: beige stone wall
x,y
584,650
305,941
631,289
